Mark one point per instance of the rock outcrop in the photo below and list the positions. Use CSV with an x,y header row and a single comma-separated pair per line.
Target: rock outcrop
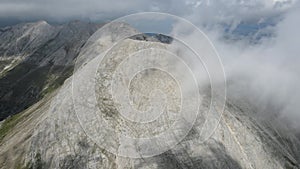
x,y
49,134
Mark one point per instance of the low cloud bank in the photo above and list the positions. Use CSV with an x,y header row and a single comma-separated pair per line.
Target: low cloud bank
x,y
266,73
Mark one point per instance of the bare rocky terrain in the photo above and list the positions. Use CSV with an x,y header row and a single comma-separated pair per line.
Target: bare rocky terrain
x,y
46,131
35,59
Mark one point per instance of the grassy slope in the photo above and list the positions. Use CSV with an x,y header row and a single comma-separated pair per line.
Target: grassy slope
x,y
16,131
26,84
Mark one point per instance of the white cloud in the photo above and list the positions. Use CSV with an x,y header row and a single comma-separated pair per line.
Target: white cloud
x,y
267,73
204,10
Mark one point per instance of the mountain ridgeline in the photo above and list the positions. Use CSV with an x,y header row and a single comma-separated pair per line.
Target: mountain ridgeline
x,y
35,59
39,128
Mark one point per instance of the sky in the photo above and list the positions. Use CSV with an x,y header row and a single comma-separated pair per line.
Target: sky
x,y
262,64
226,11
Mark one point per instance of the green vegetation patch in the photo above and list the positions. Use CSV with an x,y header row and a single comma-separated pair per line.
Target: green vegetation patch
x,y
8,124
26,84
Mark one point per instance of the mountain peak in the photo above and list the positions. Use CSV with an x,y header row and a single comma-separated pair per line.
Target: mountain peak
x,y
42,22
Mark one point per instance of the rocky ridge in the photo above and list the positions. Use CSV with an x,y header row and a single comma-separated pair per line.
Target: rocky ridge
x,y
48,134
35,59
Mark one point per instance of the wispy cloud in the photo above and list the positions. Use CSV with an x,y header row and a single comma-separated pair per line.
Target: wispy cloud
x,y
266,72
205,10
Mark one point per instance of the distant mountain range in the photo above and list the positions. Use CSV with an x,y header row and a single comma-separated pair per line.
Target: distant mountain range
x,y
35,59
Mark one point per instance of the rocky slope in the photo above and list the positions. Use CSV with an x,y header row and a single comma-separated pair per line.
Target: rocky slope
x,y
35,59
48,133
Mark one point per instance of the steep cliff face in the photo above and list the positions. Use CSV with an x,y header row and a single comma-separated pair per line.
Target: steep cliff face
x,y
35,59
49,135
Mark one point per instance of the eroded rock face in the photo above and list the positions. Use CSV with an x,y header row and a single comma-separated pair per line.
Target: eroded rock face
x,y
54,137
24,39
35,59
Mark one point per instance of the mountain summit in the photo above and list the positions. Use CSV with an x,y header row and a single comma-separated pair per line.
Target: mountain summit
x,y
37,62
